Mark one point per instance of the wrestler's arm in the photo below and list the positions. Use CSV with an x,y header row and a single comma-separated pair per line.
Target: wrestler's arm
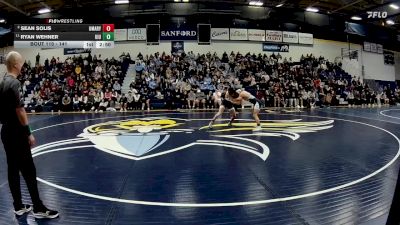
x,y
236,101
245,95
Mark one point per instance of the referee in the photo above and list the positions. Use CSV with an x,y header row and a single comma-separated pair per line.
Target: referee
x,y
394,217
18,140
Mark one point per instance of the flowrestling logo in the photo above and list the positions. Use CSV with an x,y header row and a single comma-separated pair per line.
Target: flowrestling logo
x,y
376,14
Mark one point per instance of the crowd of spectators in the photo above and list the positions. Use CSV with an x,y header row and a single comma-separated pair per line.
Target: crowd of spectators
x,y
75,84
193,81
189,80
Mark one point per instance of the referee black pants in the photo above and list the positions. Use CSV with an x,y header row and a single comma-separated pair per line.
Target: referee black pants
x,y
394,217
19,159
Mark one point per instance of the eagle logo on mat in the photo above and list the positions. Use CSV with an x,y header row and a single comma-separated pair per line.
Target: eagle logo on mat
x,y
146,138
132,137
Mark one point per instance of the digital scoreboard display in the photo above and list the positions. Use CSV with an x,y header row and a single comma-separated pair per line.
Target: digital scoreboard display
x,y
69,35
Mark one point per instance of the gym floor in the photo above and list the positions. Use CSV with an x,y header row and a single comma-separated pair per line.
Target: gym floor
x,y
325,166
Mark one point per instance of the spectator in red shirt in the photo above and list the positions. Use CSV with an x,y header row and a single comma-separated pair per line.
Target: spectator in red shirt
x,y
108,95
71,82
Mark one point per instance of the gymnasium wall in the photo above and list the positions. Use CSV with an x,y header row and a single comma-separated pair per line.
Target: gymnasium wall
x,y
329,49
374,67
397,65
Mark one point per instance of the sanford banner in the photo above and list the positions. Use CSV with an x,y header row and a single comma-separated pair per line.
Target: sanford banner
x,y
178,33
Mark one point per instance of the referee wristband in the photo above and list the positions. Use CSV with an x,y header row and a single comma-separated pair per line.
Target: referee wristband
x,y
27,130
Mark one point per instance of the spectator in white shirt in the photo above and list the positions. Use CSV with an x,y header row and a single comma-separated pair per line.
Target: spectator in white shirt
x,y
117,87
83,100
136,100
191,99
99,69
103,105
159,95
303,98
75,103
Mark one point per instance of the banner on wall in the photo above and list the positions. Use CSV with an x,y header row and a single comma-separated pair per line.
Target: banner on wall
x,y
379,49
388,58
256,35
306,38
354,28
373,48
121,34
177,46
176,34
137,34
290,37
275,47
73,51
238,34
273,36
219,33
367,46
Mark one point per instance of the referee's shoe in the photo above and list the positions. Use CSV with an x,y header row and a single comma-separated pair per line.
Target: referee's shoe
x,y
45,213
21,210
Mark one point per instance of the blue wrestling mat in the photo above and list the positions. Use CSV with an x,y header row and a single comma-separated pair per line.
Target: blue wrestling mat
x,y
326,166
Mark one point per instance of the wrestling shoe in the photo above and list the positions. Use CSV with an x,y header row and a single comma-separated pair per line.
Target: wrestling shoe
x,y
258,128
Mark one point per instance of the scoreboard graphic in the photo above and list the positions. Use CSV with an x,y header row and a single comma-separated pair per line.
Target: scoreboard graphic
x,y
64,36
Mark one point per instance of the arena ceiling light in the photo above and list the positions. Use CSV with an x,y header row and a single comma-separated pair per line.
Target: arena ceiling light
x,y
356,18
2,20
389,22
45,10
121,1
394,6
280,5
312,9
256,3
